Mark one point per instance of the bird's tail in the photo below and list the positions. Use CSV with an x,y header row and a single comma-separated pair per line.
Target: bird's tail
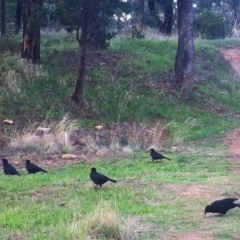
x,y
112,180
236,205
168,158
43,170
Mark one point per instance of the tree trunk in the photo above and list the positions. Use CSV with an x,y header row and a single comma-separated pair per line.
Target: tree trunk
x,y
77,96
18,17
139,23
151,6
31,31
2,14
184,63
166,27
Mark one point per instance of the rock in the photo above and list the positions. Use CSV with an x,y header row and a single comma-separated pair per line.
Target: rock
x,y
68,156
99,127
8,121
77,148
44,130
104,152
127,149
176,149
87,141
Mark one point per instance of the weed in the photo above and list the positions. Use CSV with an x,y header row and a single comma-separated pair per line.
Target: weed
x,y
180,132
104,222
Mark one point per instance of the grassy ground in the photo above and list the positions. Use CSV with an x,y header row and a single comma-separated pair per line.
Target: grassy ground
x,y
150,201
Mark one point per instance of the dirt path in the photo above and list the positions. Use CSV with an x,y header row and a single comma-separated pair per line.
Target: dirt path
x,y
232,140
233,56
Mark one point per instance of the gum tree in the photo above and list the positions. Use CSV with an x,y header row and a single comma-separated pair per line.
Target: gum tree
x,y
2,15
31,11
184,62
92,21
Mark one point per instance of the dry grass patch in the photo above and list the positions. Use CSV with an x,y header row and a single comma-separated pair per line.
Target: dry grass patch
x,y
196,191
54,141
137,136
47,192
192,236
104,222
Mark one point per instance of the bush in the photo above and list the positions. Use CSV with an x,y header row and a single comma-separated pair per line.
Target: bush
x,y
210,25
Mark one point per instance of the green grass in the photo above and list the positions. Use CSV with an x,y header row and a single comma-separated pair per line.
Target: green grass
x,y
226,43
149,194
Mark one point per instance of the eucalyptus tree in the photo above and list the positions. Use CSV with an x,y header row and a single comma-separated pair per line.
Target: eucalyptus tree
x,y
163,13
33,16
92,20
184,62
3,17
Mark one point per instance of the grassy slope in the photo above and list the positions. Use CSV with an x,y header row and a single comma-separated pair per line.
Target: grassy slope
x,y
55,205
114,94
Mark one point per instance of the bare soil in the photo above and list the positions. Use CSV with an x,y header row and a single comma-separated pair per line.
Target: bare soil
x,y
232,55
196,191
232,139
192,236
232,142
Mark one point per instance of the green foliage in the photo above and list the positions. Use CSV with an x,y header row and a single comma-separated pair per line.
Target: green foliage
x,y
210,25
69,14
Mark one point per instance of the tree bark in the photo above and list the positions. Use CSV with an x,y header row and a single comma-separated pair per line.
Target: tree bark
x,y
77,96
184,63
151,6
139,16
166,27
2,14
31,31
18,22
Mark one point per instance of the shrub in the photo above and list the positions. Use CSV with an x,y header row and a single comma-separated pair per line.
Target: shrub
x,y
210,25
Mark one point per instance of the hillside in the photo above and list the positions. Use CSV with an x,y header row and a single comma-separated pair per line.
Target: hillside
x,y
129,85
130,106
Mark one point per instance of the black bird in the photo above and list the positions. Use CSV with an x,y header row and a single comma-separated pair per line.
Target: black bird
x,y
98,178
155,155
221,206
8,168
32,168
